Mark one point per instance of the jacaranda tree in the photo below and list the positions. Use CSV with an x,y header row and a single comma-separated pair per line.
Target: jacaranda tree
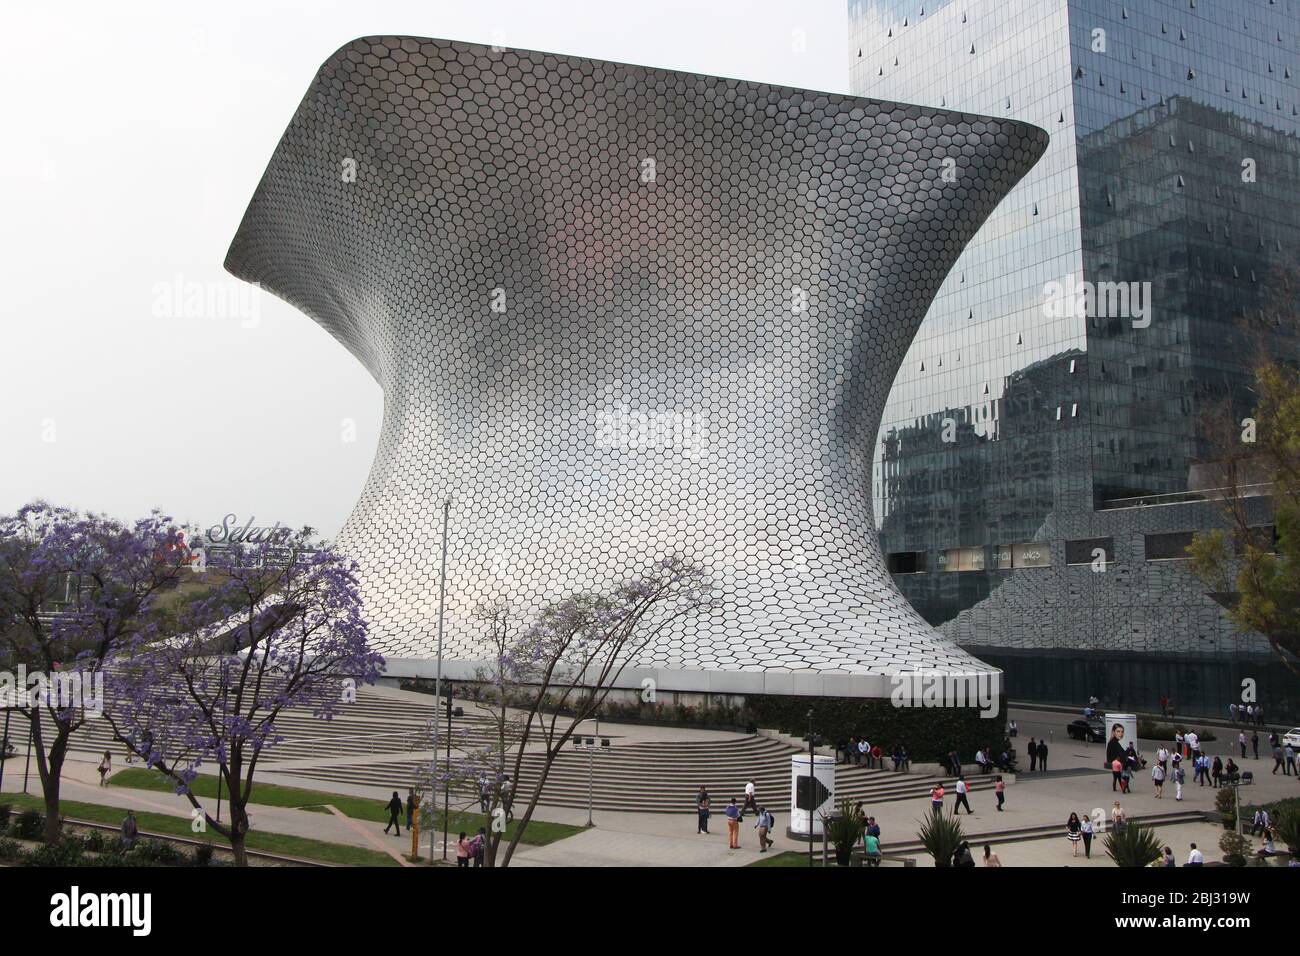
x,y
280,628
76,589
547,675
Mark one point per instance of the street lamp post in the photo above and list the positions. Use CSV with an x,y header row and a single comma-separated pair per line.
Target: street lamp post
x,y
591,744
437,683
812,770
4,747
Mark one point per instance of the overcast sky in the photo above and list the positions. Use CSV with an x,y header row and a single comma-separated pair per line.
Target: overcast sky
x,y
135,135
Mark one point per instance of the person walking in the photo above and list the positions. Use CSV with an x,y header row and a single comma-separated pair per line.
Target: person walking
x,y
1158,779
105,768
1216,772
1042,755
733,825
1241,742
1033,754
1179,776
394,807
478,847
1117,780
936,799
1254,743
1288,753
764,827
750,802
702,811
412,804
1074,832
1169,856
990,857
962,800
1118,819
1086,831
463,851
999,791
1196,857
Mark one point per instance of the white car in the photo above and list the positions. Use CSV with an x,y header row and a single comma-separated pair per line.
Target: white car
x,y
1292,738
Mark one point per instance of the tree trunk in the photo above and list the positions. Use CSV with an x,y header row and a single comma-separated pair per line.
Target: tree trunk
x,y
50,768
52,822
238,832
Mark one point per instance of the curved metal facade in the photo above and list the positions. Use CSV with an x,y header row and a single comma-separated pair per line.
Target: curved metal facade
x,y
619,312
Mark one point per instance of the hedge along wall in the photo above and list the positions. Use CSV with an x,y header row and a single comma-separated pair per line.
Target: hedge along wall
x,y
928,733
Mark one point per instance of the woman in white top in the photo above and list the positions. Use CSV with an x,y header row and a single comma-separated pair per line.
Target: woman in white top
x,y
990,858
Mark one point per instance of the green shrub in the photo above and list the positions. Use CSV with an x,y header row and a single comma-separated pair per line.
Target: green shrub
x,y
1132,846
1235,848
1286,825
10,849
1226,803
844,830
28,825
202,855
1159,730
94,841
941,835
6,811
63,853
928,733
157,851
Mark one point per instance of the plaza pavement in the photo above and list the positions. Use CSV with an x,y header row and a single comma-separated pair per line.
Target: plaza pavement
x,y
652,839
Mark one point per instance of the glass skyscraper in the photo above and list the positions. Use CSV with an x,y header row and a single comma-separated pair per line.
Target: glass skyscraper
x,y
1041,463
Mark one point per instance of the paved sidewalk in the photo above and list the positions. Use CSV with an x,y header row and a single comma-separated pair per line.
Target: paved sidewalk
x,y
651,839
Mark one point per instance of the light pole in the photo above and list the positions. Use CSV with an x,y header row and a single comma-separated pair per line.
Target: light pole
x,y
437,683
4,749
591,744
812,770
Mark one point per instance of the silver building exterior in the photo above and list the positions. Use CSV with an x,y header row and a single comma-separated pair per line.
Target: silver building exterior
x,y
620,313
1040,467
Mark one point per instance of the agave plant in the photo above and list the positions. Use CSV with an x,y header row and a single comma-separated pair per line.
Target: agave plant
x,y
845,829
941,835
1287,830
1133,846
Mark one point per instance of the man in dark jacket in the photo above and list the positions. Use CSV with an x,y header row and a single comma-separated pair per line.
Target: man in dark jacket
x,y
1042,755
394,811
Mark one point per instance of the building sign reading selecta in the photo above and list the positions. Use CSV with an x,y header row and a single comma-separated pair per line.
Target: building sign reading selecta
x,y
229,532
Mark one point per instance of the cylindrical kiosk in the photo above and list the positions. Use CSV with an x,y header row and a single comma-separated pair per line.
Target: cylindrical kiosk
x,y
806,820
1130,724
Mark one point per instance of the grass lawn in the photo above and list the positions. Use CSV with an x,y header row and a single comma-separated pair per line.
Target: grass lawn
x,y
786,858
538,833
180,826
